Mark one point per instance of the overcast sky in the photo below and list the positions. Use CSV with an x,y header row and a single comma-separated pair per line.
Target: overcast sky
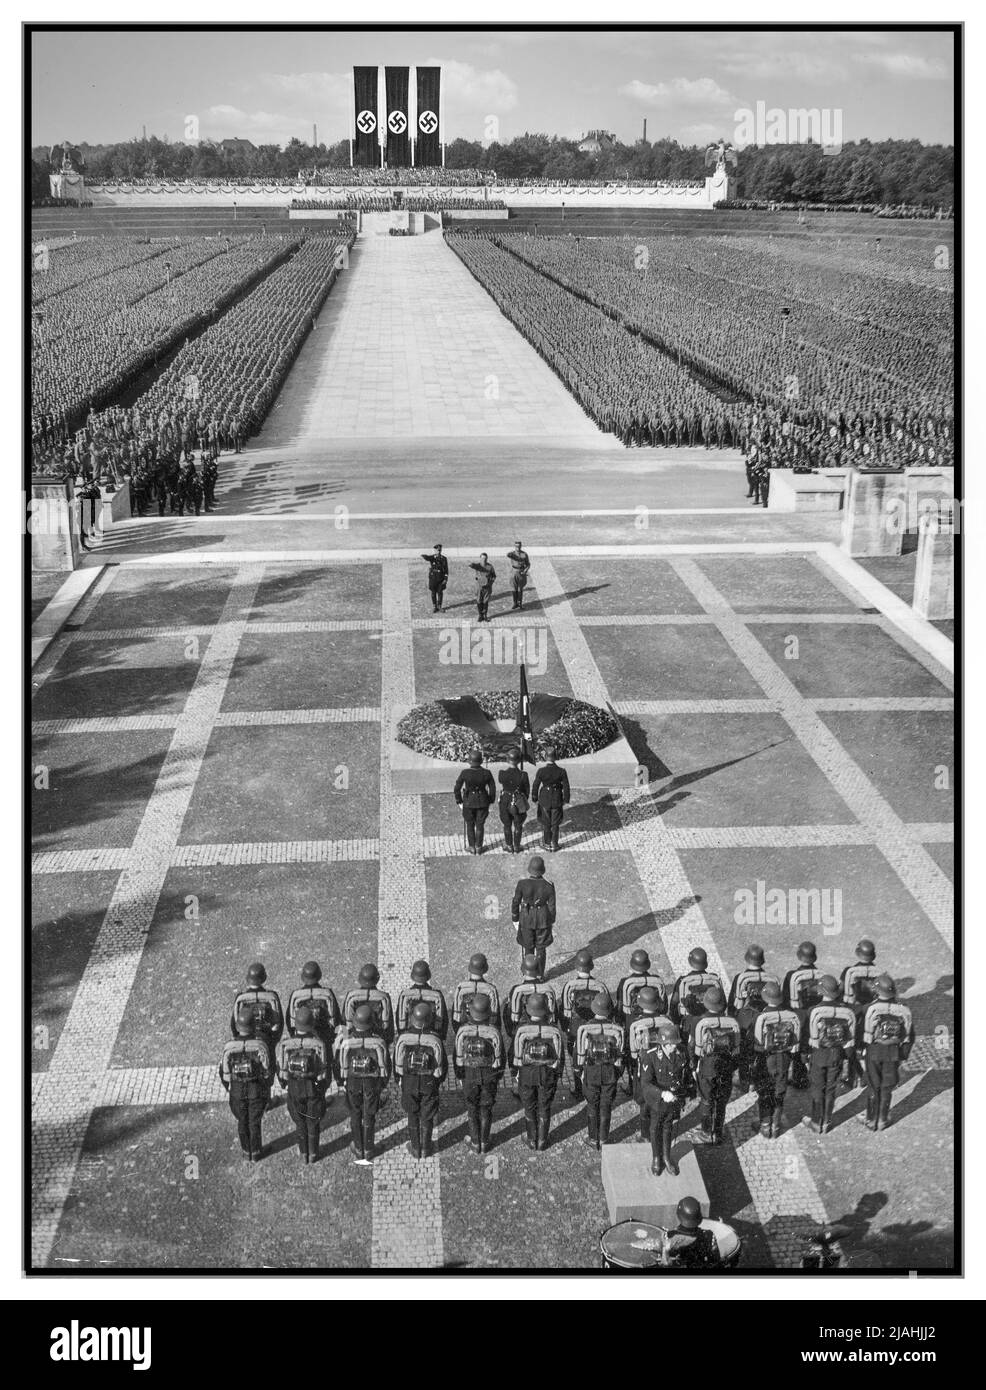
x,y
103,87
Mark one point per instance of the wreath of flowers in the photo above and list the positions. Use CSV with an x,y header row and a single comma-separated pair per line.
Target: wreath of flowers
x,y
579,729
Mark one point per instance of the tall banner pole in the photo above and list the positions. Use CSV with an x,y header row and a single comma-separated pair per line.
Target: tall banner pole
x,y
441,111
352,114
412,107
382,112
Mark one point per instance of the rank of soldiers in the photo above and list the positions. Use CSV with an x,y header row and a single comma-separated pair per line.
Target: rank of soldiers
x,y
698,1037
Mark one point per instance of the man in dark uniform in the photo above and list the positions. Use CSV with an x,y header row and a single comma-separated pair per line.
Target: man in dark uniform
x,y
801,993
515,800
690,1245
421,1064
577,998
776,1037
664,1081
686,996
713,1047
421,990
520,566
552,793
859,991
485,579
437,577
538,1054
302,1069
888,1036
320,999
210,476
361,1064
532,912
600,1045
477,983
265,1009
377,1000
246,1072
628,990
475,792
478,1059
830,1033
745,1003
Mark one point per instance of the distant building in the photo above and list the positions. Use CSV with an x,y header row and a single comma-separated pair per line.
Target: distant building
x,y
595,141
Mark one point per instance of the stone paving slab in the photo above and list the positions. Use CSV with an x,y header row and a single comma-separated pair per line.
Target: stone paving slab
x,y
88,791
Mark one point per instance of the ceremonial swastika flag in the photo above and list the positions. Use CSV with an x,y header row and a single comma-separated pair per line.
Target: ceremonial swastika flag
x,y
398,133
428,150
366,147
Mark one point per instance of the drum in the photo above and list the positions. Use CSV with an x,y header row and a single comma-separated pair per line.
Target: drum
x,y
729,1243
632,1245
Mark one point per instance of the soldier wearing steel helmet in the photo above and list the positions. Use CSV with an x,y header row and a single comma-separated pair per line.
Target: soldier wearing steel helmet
x,y
859,991
264,1006
246,1070
665,1082
303,1069
597,1060
802,991
538,1054
745,1003
686,997
320,999
690,1245
713,1047
830,1034
888,1036
361,1065
421,1064
776,1038
475,793
641,976
576,1006
421,990
477,983
532,912
368,992
478,1058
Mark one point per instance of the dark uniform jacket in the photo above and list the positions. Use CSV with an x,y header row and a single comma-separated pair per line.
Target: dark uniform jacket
x,y
474,787
511,780
551,787
660,1071
533,905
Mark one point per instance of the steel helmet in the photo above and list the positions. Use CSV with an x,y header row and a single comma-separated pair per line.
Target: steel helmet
x,y
697,959
479,1007
754,956
535,865
649,1000
256,975
640,961
583,959
303,1016
478,964
475,758
421,972
537,1006
689,1214
311,972
829,986
807,952
885,987
714,1000
363,1019
602,1005
866,951
422,1015
368,976
771,993
530,965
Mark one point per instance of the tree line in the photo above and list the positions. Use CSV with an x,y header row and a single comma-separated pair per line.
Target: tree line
x,y
864,171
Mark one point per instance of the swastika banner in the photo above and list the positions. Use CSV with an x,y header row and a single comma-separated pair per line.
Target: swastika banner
x,y
366,143
428,150
398,119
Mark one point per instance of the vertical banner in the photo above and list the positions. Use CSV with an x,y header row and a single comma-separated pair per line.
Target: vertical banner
x,y
428,134
365,118
398,132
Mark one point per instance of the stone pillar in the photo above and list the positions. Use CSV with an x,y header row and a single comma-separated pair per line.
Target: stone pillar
x,y
53,524
934,577
875,513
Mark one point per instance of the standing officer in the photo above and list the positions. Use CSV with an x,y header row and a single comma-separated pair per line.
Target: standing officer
x,y
437,577
686,997
265,1009
665,1082
475,792
600,1044
362,1065
302,1069
320,999
515,800
485,578
477,983
245,1071
421,1064
576,1006
888,1036
478,1059
776,1037
378,1000
830,1033
532,912
421,990
552,794
641,976
642,1035
802,991
538,1055
713,1047
520,567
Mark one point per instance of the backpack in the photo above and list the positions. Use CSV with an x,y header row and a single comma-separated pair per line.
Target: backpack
x,y
244,1066
418,1059
301,1064
538,1050
752,990
362,1062
320,1011
477,1051
717,1042
780,1035
889,1028
582,1004
834,1032
809,993
864,989
599,1050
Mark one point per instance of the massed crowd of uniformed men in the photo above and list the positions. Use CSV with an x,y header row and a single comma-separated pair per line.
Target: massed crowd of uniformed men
x,y
698,1037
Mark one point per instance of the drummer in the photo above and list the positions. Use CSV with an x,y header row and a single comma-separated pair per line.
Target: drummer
x,y
691,1245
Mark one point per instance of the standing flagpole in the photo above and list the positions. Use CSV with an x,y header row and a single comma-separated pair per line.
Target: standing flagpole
x,y
524,718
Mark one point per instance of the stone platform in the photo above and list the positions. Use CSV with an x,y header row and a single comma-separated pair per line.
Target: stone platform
x,y
632,1190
